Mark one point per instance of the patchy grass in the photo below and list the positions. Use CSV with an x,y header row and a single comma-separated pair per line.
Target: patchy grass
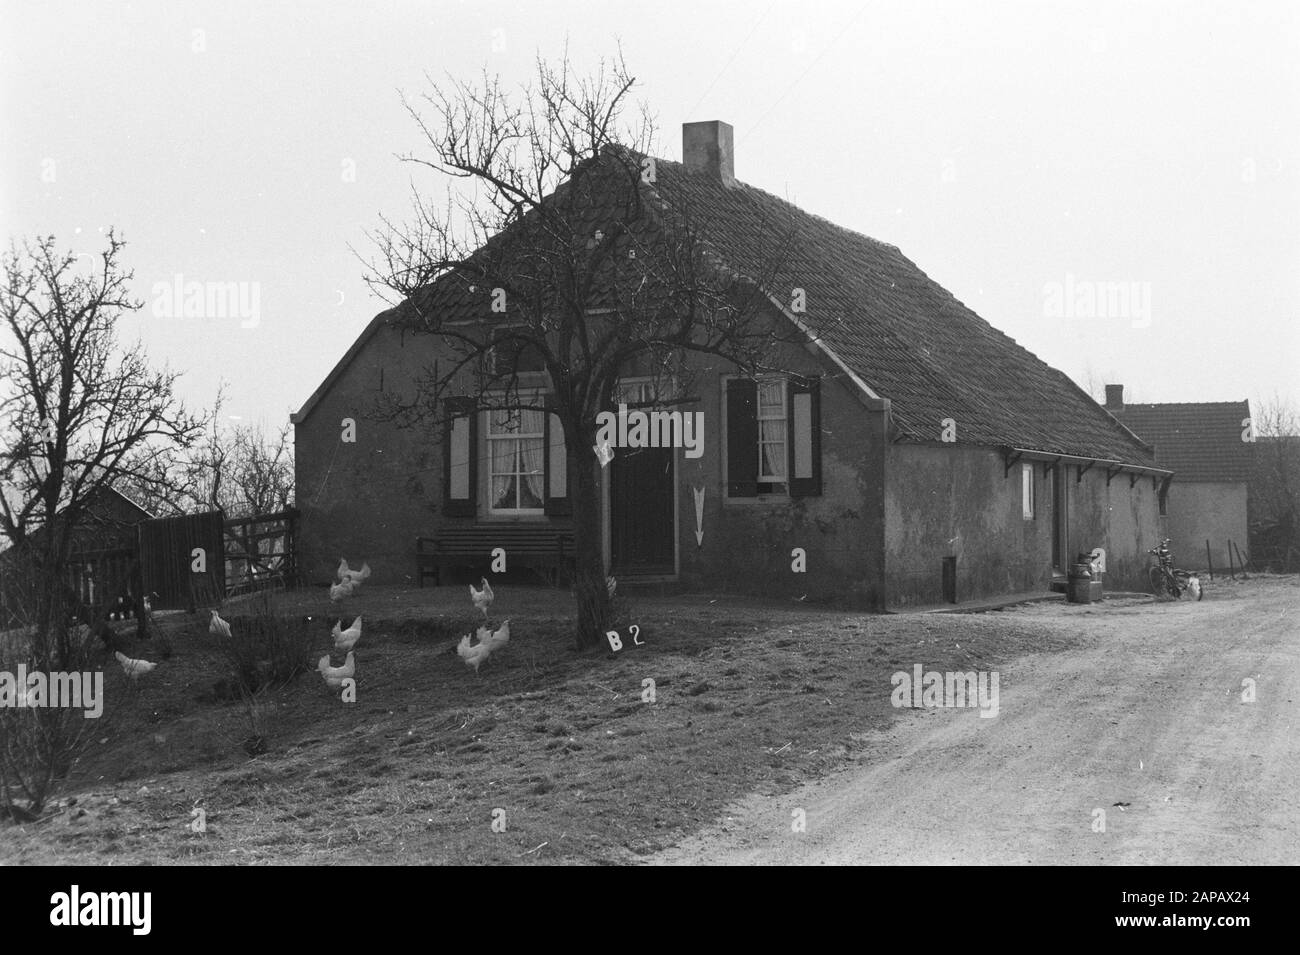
x,y
750,695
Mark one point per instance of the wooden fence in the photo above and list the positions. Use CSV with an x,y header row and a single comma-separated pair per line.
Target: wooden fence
x,y
182,559
186,562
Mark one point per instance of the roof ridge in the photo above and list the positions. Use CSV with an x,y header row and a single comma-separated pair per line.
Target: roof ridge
x,y
749,187
1180,404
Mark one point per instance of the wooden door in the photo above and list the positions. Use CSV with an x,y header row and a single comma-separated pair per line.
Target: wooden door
x,y
641,511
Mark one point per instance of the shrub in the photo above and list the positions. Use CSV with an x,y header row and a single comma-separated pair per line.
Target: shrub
x,y
266,649
38,745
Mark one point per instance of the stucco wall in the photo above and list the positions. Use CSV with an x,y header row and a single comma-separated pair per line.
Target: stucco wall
x,y
366,500
1124,520
369,500
959,501
748,542
869,539
1205,511
954,500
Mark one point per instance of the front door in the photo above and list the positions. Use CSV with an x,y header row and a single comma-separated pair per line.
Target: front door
x,y
641,524
1060,519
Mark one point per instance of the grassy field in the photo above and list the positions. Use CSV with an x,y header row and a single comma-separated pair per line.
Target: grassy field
x,y
749,696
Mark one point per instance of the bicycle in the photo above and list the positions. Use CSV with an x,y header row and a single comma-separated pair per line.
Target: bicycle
x,y
1165,578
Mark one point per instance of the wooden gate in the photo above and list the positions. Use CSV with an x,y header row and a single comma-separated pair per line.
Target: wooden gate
x,y
260,551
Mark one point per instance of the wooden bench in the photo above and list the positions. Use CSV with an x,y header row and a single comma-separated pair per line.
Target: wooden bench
x,y
542,547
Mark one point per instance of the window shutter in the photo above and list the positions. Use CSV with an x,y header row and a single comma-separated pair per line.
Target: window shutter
x,y
557,465
805,429
742,438
460,458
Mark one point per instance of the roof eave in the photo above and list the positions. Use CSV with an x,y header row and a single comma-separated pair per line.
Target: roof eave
x,y
870,399
299,416
1036,455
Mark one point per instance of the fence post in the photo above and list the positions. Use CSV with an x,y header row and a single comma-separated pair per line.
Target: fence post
x,y
1232,571
1208,559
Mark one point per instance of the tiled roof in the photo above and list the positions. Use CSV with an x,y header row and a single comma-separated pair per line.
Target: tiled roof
x,y
905,335
1200,441
900,332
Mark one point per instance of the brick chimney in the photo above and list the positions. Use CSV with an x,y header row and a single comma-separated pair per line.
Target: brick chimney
x,y
708,148
1114,397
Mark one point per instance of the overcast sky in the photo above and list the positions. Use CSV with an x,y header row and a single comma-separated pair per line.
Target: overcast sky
x,y
1024,155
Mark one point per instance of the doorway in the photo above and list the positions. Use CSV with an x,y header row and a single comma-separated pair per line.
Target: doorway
x,y
641,521
1060,520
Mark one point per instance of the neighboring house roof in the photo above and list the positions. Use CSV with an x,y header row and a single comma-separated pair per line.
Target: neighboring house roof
x,y
133,510
107,507
898,333
1200,441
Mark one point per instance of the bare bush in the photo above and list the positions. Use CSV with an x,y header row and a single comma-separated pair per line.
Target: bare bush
x,y
40,744
264,651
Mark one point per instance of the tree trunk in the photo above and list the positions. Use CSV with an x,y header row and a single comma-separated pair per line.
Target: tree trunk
x,y
589,562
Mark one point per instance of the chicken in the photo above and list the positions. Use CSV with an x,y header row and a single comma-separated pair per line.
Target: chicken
x,y
345,640
354,576
340,591
133,668
500,638
218,627
1194,587
482,598
477,654
334,676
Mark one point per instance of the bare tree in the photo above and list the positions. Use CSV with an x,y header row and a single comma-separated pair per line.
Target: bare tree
x,y
551,242
1274,500
76,410
261,478
240,470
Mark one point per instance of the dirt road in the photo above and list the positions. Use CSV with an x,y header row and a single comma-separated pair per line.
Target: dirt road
x,y
1143,719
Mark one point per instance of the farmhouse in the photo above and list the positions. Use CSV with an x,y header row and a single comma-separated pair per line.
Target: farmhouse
x,y
1207,445
904,451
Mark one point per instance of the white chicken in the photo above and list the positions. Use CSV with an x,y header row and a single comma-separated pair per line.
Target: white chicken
x,y
482,598
355,576
501,637
477,654
345,640
341,591
133,668
218,627
334,676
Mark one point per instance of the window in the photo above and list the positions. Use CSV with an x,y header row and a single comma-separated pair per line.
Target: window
x,y
773,437
522,450
772,450
1027,491
1164,500
459,462
516,452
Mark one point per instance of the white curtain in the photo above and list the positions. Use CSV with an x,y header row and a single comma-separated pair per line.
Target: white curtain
x,y
774,454
531,452
503,466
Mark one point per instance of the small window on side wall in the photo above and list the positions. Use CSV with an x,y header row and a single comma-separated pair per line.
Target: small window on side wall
x,y
1027,491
